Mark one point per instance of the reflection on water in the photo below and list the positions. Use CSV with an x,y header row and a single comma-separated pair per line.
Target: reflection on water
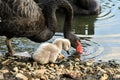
x,y
81,24
19,45
100,34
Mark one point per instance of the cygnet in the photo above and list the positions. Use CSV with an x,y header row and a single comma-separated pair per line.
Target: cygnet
x,y
48,52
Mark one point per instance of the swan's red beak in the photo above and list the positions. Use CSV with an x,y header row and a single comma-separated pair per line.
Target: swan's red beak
x,y
79,49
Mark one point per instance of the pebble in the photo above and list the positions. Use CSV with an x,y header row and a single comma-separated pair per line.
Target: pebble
x,y
1,76
52,65
21,76
43,77
40,71
6,62
4,71
69,69
15,69
89,63
117,76
61,66
104,77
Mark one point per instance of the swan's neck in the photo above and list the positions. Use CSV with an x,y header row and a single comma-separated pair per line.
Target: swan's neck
x,y
68,20
49,10
50,16
68,26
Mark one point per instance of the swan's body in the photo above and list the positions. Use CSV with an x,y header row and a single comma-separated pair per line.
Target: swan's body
x,y
24,18
48,52
82,7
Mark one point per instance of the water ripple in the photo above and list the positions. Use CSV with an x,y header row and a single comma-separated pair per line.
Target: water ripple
x,y
91,50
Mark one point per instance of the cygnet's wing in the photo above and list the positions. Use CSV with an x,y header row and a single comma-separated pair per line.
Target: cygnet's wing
x,y
42,54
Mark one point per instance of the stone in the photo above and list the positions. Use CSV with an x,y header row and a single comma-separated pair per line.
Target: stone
x,y
21,76
43,77
4,71
1,76
15,69
117,76
40,71
104,77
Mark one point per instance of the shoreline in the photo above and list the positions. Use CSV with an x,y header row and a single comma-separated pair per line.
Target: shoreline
x,y
22,68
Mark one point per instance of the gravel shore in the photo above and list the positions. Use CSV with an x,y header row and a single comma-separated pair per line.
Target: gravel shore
x,y
22,68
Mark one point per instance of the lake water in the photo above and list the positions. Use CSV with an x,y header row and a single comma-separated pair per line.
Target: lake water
x,y
100,35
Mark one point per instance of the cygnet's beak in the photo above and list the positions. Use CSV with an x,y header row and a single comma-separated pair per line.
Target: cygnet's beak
x,y
67,52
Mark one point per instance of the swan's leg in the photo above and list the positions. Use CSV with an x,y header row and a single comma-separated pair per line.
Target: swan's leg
x,y
10,50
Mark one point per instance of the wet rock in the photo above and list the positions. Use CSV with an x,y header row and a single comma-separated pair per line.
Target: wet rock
x,y
59,71
89,70
90,63
51,76
1,76
70,69
40,71
51,69
42,67
104,77
52,65
77,60
113,63
43,77
21,76
101,71
116,77
66,64
15,69
82,67
6,62
35,79
4,71
89,77
56,67
35,65
61,66
72,75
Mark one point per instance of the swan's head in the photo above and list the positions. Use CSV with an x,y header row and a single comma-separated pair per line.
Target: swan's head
x,y
78,46
79,49
75,42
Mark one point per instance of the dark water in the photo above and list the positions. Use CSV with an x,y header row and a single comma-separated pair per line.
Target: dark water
x,y
100,35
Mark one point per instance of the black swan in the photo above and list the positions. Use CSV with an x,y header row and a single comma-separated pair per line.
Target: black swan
x,y
86,7
82,7
24,18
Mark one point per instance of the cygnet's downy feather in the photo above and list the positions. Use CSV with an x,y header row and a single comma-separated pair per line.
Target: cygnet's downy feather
x,y
48,52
